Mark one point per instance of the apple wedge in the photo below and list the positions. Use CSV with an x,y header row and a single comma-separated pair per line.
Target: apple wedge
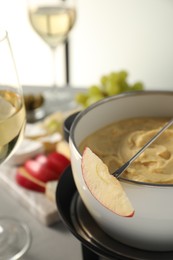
x,y
27,181
103,186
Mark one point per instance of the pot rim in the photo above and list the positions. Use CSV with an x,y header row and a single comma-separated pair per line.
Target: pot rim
x,y
108,99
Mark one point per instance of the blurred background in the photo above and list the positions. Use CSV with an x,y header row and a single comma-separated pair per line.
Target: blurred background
x,y
109,35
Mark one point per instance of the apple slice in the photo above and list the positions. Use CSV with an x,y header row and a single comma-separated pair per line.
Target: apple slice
x,y
57,162
40,170
24,179
103,186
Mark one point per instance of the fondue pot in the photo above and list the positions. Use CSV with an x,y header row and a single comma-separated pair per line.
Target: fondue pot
x,y
151,227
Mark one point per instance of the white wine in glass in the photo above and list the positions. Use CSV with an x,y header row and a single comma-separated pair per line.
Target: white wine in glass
x,y
52,20
14,236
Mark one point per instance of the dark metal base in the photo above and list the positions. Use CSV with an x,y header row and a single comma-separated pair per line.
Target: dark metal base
x,y
94,241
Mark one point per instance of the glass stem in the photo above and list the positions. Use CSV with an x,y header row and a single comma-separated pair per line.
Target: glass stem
x,y
53,50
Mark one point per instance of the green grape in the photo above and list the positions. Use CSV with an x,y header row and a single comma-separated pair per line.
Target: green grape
x,y
81,98
93,99
113,77
103,81
94,90
124,86
110,84
137,86
122,75
112,89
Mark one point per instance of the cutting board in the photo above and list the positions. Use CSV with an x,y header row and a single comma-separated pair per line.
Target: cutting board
x,y
36,203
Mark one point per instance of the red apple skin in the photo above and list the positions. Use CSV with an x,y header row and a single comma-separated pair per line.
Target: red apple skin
x,y
47,168
28,184
40,171
131,215
41,158
43,168
58,162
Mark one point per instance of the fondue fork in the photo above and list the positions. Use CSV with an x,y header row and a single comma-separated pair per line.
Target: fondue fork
x,y
120,170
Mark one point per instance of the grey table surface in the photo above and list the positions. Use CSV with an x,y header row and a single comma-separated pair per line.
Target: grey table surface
x,y
55,242
48,243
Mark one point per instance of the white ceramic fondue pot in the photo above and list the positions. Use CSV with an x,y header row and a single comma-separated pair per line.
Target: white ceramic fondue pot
x,y
151,227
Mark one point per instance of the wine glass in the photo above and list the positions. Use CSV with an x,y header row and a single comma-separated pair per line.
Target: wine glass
x,y
14,236
52,20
